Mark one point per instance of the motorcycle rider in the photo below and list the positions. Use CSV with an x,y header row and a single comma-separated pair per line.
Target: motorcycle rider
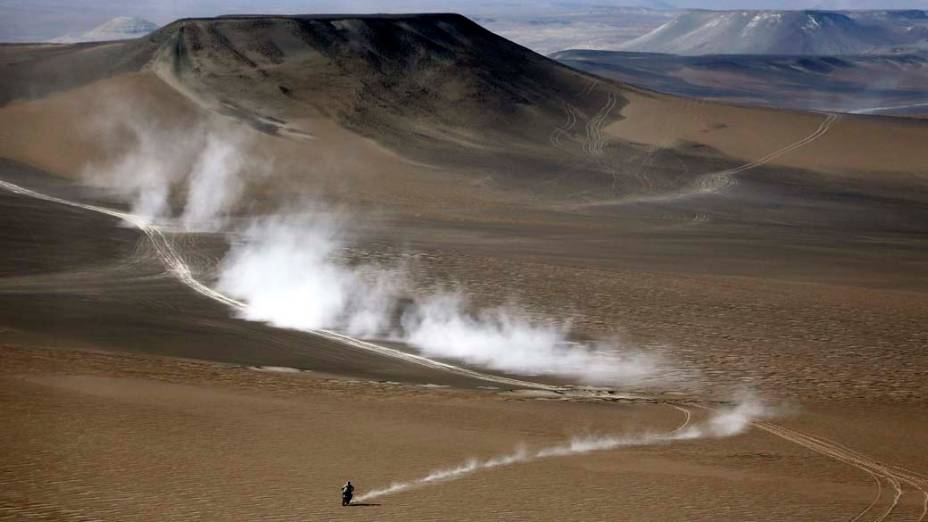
x,y
347,493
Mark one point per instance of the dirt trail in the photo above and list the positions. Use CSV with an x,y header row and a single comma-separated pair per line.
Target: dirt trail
x,y
894,476
718,181
564,130
177,267
687,417
715,182
595,139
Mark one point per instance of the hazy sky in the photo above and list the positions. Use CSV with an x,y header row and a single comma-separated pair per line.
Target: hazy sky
x,y
22,20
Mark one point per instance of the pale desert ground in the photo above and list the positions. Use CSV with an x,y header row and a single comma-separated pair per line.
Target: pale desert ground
x,y
776,254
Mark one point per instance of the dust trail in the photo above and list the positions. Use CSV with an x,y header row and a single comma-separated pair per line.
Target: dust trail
x,y
725,423
289,272
150,160
177,267
873,110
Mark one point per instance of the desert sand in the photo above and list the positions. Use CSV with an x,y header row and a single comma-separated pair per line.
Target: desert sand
x,y
754,251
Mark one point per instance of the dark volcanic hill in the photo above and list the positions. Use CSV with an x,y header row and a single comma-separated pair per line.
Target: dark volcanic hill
x,y
436,87
439,105
436,77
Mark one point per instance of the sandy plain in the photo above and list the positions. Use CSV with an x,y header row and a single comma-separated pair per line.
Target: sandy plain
x,y
128,396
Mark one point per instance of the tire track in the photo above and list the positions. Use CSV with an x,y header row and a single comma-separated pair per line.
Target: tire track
x,y
177,267
920,479
718,181
916,480
876,498
563,130
591,86
595,139
687,416
781,433
858,460
715,182
895,476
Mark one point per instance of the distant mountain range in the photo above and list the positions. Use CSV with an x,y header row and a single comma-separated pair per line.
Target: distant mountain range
x,y
119,28
701,32
870,84
601,27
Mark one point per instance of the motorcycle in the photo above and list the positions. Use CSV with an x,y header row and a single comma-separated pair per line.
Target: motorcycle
x,y
346,497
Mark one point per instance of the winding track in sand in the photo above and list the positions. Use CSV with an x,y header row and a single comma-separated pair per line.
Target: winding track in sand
x,y
710,183
175,265
715,182
893,475
595,139
563,130
687,416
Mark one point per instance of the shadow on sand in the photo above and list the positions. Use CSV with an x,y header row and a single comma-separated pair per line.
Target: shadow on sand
x,y
362,504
